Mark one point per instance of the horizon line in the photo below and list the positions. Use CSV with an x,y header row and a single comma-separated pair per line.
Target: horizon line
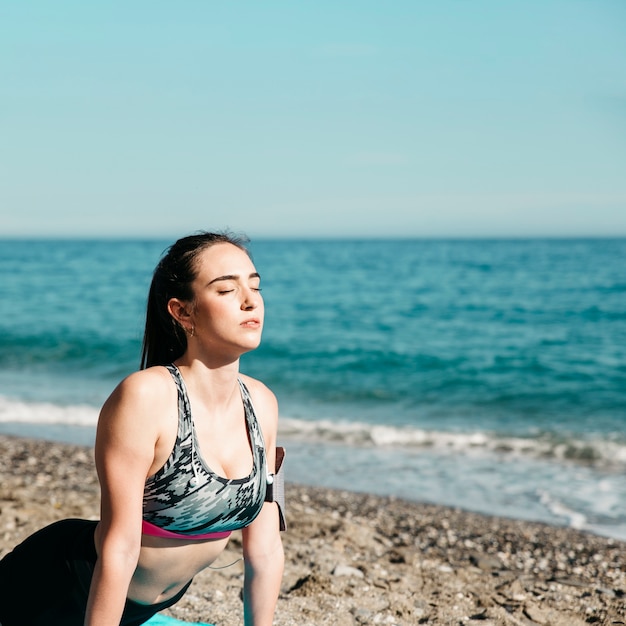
x,y
319,237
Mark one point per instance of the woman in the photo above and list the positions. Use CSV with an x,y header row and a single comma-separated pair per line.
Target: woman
x,y
182,451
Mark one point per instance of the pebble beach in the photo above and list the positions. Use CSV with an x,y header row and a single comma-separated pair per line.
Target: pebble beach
x,y
353,558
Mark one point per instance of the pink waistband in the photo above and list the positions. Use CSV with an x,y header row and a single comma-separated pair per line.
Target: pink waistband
x,y
154,531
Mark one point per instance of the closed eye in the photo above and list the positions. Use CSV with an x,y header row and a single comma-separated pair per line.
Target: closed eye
x,y
234,277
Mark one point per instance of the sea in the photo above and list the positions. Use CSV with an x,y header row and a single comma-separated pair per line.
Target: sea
x,y
488,375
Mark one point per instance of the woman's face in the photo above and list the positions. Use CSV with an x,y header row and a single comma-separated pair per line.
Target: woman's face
x,y
227,311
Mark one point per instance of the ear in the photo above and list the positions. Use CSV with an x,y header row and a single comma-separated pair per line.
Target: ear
x,y
180,311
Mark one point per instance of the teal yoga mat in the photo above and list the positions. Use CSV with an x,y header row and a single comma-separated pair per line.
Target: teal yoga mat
x,y
163,620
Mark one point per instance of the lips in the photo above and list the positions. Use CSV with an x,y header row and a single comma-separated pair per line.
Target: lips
x,y
251,323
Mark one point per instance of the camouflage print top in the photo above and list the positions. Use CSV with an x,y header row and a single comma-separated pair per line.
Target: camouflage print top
x,y
186,497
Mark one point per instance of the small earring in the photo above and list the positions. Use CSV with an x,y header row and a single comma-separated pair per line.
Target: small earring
x,y
192,331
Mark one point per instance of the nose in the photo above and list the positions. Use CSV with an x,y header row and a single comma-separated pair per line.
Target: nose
x,y
250,299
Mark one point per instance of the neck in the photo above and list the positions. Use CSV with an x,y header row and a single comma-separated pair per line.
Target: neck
x,y
215,381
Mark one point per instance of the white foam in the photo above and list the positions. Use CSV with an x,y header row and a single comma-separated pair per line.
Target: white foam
x,y
46,413
598,452
575,519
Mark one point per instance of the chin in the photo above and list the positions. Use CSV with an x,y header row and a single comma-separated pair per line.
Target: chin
x,y
249,346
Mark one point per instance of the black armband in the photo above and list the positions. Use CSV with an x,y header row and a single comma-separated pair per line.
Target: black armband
x,y
276,488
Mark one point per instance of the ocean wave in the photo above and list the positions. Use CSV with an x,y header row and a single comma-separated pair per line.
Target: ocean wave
x,y
598,451
559,509
602,451
78,350
46,413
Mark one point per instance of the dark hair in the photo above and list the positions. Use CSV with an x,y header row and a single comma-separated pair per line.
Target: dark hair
x,y
164,340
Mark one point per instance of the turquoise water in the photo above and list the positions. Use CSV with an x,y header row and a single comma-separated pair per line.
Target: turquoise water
x,y
484,374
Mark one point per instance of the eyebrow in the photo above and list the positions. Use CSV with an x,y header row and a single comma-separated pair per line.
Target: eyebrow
x,y
232,277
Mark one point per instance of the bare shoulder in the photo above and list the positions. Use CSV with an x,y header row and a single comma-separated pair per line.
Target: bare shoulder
x,y
259,391
264,401
132,423
141,392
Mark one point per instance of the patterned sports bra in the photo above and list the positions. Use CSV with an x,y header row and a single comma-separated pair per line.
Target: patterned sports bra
x,y
186,499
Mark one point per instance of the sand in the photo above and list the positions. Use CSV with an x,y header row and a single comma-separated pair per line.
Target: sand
x,y
359,559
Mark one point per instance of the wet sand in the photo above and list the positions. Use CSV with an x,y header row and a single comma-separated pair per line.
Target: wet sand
x,y
360,559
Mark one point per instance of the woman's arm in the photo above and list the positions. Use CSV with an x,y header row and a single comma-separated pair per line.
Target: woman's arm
x,y
262,543
264,561
125,444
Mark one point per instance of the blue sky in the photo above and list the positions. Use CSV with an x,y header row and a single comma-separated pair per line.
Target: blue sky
x,y
355,118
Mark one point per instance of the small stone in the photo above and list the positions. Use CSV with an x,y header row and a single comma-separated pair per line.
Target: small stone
x,y
486,562
362,616
346,570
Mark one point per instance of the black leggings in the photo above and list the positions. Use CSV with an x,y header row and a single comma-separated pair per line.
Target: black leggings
x,y
45,580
